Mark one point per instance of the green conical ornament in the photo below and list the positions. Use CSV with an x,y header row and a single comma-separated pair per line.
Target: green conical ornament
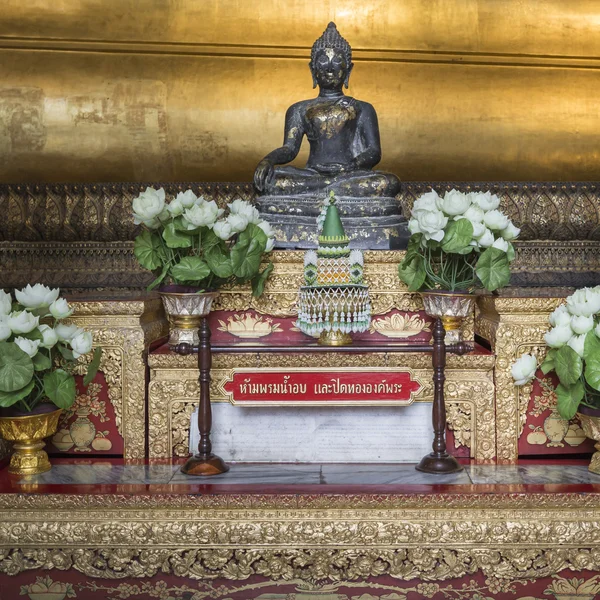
x,y
333,233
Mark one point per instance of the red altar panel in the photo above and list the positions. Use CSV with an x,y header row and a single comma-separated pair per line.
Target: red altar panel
x,y
545,431
89,427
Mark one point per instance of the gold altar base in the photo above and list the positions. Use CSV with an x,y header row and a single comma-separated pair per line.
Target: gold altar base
x,y
338,535
27,433
335,338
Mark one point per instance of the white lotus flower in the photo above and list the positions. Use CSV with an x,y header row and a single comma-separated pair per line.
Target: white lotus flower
x,y
413,226
266,227
474,213
5,330
455,203
495,220
240,207
60,309
487,201
175,208
5,303
30,347
222,230
237,222
187,199
597,330
49,335
577,342
431,224
22,322
148,206
202,215
270,244
486,240
558,336
582,324
428,202
66,333
510,232
523,369
501,244
36,296
584,302
81,343
560,316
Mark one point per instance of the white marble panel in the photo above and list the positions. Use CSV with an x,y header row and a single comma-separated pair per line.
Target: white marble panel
x,y
320,434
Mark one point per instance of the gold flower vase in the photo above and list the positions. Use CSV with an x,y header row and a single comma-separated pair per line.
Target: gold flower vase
x,y
452,308
185,310
590,423
27,433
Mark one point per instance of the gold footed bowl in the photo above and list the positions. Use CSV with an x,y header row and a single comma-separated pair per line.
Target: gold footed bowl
x,y
27,433
591,427
335,338
451,308
185,311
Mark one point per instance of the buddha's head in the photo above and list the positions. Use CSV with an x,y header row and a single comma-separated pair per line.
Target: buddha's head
x,y
331,60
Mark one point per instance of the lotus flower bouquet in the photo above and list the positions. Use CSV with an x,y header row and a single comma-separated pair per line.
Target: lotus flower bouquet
x,y
458,242
190,241
38,351
573,353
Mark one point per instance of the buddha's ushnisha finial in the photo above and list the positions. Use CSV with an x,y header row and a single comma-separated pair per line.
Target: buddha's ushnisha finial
x,y
331,38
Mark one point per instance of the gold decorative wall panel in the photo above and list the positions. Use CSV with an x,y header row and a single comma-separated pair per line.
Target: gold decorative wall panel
x,y
176,90
173,392
89,228
513,325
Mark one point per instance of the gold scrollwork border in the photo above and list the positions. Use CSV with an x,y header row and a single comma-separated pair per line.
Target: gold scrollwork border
x,y
432,537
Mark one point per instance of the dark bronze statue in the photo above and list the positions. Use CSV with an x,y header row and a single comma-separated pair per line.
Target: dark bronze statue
x,y
343,134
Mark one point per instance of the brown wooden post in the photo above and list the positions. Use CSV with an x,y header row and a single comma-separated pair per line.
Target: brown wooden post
x,y
439,461
204,462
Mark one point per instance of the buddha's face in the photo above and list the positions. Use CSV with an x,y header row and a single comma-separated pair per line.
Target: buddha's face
x,y
330,69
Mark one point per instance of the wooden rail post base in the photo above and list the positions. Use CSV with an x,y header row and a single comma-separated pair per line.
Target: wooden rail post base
x,y
439,461
204,463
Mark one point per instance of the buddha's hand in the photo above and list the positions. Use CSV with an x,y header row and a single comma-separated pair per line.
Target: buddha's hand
x,y
263,173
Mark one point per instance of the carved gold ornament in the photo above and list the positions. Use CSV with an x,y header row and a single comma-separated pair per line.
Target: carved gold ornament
x,y
248,326
432,537
399,326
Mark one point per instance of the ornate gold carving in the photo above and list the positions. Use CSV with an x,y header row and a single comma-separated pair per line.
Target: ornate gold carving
x,y
309,537
543,210
90,228
123,330
173,392
591,428
399,326
513,325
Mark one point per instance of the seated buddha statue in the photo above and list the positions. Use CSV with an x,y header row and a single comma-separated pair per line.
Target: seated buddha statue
x,y
343,136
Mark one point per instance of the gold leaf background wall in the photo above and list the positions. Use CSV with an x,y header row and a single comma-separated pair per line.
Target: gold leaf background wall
x,y
181,90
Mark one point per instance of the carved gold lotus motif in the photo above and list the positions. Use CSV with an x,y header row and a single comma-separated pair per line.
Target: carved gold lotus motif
x,y
398,326
248,326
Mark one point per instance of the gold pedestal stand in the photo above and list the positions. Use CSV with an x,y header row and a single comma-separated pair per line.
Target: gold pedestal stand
x,y
335,338
28,432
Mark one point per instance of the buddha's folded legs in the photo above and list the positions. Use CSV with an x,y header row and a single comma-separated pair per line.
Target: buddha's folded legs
x,y
292,181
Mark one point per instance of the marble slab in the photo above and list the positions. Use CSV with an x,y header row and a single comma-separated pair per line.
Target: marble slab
x,y
531,474
396,474
259,474
337,434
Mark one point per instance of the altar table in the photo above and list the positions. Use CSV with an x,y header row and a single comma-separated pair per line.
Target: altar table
x,y
122,529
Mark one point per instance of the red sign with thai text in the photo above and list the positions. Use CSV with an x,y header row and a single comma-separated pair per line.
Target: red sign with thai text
x,y
322,386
